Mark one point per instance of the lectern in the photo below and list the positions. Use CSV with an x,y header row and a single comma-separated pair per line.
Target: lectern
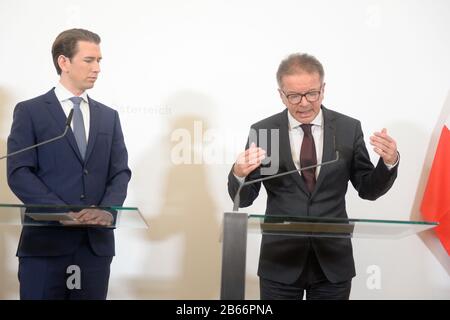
x,y
236,225
59,216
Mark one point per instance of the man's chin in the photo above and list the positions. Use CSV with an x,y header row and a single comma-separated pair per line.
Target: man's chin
x,y
89,85
304,118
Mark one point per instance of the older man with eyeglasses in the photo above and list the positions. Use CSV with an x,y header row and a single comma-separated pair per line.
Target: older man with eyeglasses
x,y
309,133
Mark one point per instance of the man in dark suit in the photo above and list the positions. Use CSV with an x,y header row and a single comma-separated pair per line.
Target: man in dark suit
x,y
88,167
308,133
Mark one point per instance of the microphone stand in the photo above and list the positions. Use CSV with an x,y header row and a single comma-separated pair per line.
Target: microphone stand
x,y
237,197
69,120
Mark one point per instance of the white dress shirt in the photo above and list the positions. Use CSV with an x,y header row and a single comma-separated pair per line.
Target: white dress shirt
x,y
63,95
296,138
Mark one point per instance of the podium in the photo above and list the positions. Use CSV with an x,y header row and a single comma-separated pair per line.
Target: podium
x,y
60,216
236,225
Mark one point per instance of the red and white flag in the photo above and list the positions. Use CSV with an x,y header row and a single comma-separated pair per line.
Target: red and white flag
x,y
436,199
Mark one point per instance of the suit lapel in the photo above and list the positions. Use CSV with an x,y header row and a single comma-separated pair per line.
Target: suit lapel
x,y
56,110
93,127
286,152
329,152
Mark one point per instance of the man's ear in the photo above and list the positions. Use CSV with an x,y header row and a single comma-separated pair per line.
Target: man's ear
x,y
63,62
283,98
280,93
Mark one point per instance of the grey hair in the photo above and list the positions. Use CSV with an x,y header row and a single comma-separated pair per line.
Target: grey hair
x,y
297,63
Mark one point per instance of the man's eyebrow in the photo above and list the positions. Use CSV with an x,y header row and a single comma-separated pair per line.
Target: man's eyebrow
x,y
92,58
296,92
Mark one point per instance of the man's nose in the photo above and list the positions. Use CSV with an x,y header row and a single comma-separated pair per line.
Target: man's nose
x,y
303,101
96,67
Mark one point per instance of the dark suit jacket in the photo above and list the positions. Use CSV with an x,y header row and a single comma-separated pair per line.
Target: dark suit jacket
x,y
56,174
283,258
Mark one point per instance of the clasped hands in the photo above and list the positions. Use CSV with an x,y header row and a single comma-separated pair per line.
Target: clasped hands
x,y
89,216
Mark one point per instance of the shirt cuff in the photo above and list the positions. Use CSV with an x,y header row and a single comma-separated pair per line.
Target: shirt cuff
x,y
392,166
241,180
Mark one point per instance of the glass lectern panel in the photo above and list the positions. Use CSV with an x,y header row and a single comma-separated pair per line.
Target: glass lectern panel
x,y
65,216
335,227
236,226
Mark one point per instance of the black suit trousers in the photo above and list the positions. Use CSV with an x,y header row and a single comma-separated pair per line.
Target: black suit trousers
x,y
311,282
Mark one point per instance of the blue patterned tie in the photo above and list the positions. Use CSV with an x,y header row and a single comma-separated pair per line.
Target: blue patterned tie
x,y
78,126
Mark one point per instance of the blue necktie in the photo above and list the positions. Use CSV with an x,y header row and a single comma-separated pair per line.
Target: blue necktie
x,y
78,126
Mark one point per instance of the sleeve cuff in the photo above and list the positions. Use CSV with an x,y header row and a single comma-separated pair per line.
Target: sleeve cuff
x,y
241,180
392,166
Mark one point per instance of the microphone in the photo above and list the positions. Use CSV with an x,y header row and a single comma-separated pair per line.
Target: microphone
x,y
237,197
68,121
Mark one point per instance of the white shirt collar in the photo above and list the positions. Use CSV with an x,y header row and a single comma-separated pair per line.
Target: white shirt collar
x,y
317,121
63,94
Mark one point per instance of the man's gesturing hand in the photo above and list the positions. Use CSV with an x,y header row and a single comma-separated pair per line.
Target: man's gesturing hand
x,y
384,146
248,161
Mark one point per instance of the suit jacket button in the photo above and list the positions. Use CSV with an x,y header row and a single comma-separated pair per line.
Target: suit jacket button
x,y
82,197
85,172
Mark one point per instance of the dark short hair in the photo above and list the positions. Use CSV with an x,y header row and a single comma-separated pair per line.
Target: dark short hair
x,y
66,43
297,63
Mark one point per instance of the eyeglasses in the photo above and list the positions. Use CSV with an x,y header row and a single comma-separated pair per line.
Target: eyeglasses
x,y
296,98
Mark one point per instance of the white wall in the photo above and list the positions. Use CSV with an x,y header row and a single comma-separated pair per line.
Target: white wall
x,y
209,67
